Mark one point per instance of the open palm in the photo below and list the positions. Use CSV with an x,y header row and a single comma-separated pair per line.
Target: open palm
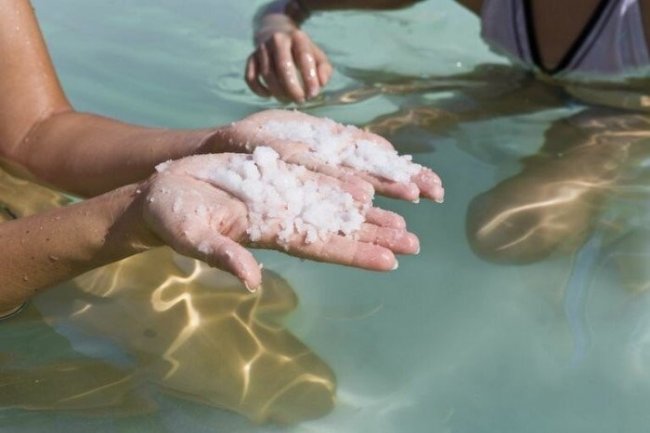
x,y
295,135
198,217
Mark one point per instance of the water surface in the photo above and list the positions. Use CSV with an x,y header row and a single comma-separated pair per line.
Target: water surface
x,y
547,328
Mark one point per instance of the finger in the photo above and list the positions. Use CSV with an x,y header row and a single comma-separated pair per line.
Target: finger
x,y
404,191
361,190
323,66
376,139
285,69
268,74
307,63
398,241
220,252
344,251
195,231
252,76
385,218
430,185
224,253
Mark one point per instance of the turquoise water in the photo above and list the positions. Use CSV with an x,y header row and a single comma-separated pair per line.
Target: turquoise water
x,y
450,342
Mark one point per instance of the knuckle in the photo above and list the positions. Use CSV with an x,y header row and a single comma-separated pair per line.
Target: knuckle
x,y
299,35
308,60
278,38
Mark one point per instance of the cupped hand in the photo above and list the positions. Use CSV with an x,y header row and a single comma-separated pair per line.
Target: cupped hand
x,y
318,143
288,66
187,206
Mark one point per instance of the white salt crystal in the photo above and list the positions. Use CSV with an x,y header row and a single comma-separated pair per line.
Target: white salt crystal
x,y
201,211
163,166
205,248
335,144
178,204
281,199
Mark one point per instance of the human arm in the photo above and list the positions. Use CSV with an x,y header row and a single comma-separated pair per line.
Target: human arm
x,y
42,136
286,63
181,207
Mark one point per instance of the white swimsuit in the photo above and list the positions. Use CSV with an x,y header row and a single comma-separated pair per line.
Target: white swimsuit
x,y
612,43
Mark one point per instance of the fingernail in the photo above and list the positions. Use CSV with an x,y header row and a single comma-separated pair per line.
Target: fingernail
x,y
251,289
416,201
417,251
395,266
441,199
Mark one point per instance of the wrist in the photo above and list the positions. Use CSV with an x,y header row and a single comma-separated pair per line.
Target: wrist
x,y
127,232
298,10
272,24
220,140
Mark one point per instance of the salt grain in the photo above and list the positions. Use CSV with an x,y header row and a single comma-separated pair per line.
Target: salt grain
x,y
205,248
178,203
335,144
282,201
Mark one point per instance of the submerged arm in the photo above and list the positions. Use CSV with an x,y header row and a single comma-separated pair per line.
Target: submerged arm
x,y
185,207
51,247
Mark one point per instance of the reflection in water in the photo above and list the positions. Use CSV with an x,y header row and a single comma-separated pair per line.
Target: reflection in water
x,y
559,196
184,328
579,195
52,376
197,334
575,298
487,92
562,192
89,385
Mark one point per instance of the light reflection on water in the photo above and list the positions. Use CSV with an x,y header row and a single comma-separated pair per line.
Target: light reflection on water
x,y
527,309
165,321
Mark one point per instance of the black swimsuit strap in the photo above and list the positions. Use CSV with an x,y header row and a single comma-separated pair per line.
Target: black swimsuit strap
x,y
575,46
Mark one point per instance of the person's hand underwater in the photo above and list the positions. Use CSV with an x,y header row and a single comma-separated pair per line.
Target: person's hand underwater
x,y
187,207
288,66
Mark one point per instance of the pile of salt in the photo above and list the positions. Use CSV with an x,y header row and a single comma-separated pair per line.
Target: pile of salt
x,y
338,145
284,199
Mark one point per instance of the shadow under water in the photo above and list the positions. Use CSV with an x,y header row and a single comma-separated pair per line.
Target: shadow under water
x,y
583,195
173,325
590,173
